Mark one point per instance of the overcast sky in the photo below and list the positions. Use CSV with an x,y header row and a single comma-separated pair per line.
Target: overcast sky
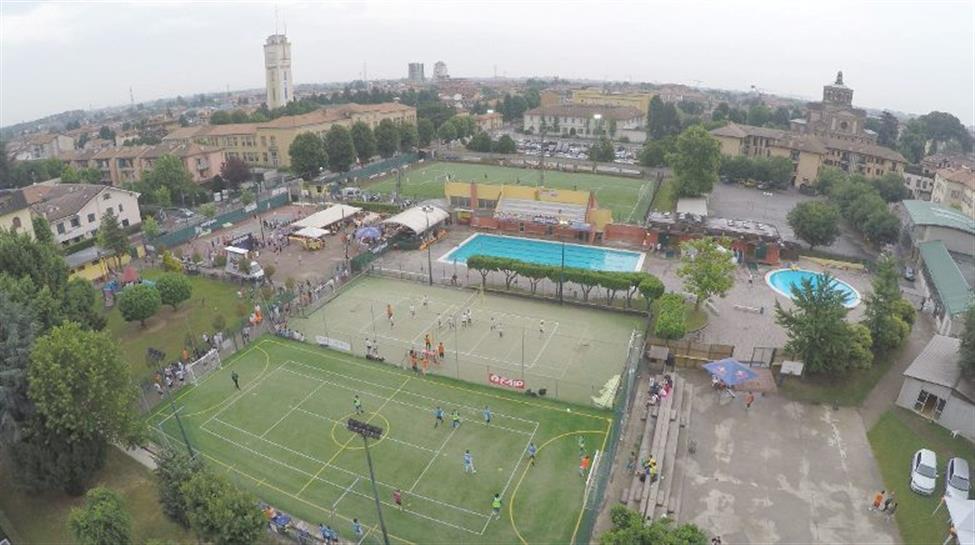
x,y
908,56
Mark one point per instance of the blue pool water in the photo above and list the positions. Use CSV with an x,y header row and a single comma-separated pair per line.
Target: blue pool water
x,y
545,253
782,280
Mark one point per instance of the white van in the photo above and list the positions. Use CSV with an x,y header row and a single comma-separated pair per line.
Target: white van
x,y
351,193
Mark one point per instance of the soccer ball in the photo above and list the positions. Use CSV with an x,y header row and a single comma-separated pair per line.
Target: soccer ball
x,y
568,410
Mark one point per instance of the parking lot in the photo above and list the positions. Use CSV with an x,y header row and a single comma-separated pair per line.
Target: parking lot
x,y
736,201
571,148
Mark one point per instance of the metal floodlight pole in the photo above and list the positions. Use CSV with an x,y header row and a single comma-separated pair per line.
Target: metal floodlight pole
x,y
153,357
426,212
368,431
561,269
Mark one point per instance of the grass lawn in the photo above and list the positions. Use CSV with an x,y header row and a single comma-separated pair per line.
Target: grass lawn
x,y
895,438
848,390
628,198
282,436
168,328
666,197
42,518
695,318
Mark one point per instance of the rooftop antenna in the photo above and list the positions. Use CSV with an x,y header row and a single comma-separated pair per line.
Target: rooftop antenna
x,y
275,18
131,97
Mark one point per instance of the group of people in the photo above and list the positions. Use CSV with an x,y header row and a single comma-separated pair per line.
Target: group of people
x,y
659,391
173,374
884,502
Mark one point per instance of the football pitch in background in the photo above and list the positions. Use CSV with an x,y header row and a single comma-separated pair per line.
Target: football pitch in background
x,y
282,435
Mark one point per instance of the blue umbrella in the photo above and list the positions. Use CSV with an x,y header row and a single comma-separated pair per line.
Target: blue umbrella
x,y
730,371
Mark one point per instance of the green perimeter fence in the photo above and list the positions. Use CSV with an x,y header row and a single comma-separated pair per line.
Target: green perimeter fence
x,y
179,236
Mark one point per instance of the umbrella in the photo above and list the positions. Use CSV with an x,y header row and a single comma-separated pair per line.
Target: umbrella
x,y
730,371
368,232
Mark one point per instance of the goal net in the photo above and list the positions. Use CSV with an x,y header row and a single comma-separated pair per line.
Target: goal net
x,y
203,366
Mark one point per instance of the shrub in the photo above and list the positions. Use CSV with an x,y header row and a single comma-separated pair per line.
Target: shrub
x,y
671,322
220,261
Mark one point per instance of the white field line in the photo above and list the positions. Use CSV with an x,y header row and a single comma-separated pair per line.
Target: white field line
x,y
241,395
544,346
414,394
512,474
433,459
351,486
287,414
433,322
387,437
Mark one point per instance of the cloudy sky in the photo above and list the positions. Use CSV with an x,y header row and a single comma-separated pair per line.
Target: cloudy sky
x,y
912,56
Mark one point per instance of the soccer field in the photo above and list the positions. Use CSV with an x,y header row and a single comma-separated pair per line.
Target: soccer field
x,y
570,352
628,198
282,436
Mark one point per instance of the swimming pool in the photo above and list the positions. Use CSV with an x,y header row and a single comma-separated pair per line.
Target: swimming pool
x,y
545,253
782,280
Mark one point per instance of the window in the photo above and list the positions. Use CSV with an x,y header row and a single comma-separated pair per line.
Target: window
x,y
61,228
75,222
521,227
91,218
106,196
125,223
462,202
486,203
119,207
16,224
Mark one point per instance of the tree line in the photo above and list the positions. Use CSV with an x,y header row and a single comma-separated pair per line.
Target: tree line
x,y
341,148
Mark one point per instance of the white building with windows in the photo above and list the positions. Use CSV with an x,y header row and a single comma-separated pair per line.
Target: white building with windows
x,y
277,68
586,121
935,388
75,211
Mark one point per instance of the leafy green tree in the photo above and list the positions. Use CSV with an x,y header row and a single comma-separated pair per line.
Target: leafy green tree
x,y
425,132
106,133
209,210
139,302
173,469
170,173
112,237
102,520
912,141
817,331
651,288
17,330
150,227
219,513
654,152
966,350
340,148
21,256
630,528
481,142
364,141
42,230
613,284
662,119
235,171
308,155
707,269
602,151
408,137
387,138
78,304
778,171
886,128
695,162
829,177
247,197
887,329
891,187
759,115
881,227
505,145
80,385
447,132
174,288
816,223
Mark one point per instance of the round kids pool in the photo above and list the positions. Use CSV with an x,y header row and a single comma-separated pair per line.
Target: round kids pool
x,y
782,280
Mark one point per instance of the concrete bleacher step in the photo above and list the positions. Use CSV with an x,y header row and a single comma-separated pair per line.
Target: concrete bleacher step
x,y
685,417
667,465
649,500
680,474
635,490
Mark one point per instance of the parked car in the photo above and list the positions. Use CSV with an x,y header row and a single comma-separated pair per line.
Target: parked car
x,y
909,274
924,471
957,482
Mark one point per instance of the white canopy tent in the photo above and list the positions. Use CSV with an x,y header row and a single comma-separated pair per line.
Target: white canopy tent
x,y
963,519
324,218
419,218
311,232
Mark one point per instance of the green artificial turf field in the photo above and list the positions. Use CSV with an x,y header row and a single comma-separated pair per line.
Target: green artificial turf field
x,y
573,356
282,436
628,198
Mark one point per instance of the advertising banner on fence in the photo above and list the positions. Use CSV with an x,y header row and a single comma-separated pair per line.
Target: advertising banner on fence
x,y
333,343
506,382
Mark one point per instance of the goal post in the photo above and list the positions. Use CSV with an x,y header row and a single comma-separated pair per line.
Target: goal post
x,y
202,367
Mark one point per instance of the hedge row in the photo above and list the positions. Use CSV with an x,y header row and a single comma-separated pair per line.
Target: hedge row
x,y
671,321
378,207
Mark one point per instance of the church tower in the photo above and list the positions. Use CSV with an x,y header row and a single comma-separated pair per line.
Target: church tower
x,y
838,94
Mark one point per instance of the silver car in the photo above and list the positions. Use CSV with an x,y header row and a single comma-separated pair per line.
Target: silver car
x,y
924,471
957,481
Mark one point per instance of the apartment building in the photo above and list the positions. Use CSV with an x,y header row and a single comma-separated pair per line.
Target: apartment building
x,y
596,97
955,187
585,121
266,144
127,164
47,146
16,215
75,211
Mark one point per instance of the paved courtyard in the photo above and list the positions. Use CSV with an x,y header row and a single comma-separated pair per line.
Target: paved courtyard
x,y
781,472
736,201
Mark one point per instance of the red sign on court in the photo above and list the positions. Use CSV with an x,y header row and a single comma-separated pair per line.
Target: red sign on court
x,y
505,381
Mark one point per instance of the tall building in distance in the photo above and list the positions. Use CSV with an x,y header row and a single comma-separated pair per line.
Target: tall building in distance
x,y
277,68
416,72
440,71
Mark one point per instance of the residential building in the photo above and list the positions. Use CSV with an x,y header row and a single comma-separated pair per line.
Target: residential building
x,y
955,187
586,121
96,264
277,69
805,152
489,122
919,185
924,221
75,210
835,117
127,164
597,97
935,387
266,144
48,146
809,152
938,161
16,215
440,71
550,97
415,73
